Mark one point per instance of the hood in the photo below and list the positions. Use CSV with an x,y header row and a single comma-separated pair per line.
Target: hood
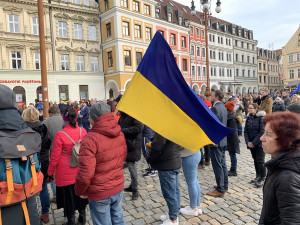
x,y
10,119
289,161
7,99
106,125
261,113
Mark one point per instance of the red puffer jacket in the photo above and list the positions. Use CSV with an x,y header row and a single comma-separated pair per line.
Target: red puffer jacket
x,y
102,154
59,161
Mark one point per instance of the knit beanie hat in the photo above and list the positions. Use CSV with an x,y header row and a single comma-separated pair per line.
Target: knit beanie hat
x,y
295,107
7,98
230,106
98,110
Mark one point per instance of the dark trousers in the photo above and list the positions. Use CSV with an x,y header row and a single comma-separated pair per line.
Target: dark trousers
x,y
207,153
258,156
218,161
133,175
201,160
145,150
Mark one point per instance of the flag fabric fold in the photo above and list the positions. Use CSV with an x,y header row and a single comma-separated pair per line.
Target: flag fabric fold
x,y
159,97
296,90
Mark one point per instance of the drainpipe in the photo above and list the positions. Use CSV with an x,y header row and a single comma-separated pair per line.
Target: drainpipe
x,y
52,37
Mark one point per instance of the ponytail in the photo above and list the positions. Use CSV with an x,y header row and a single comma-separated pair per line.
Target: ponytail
x,y
70,114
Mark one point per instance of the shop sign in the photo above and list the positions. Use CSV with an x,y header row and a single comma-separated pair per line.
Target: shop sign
x,y
19,98
20,81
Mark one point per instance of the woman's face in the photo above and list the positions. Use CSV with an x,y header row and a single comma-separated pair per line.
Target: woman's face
x,y
252,110
269,141
294,99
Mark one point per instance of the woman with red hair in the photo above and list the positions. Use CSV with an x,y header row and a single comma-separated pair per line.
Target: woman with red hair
x,y
281,193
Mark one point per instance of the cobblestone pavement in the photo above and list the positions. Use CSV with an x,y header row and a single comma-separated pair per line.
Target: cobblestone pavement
x,y
241,205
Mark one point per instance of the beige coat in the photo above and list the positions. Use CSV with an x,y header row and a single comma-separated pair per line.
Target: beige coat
x,y
266,105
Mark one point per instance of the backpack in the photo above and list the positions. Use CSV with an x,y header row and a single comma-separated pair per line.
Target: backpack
x,y
20,171
74,161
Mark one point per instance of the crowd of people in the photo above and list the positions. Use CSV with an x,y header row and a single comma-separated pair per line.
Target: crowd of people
x,y
110,141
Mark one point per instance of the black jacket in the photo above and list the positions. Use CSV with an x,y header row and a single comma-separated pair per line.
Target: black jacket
x,y
233,141
46,143
281,192
254,128
132,130
164,154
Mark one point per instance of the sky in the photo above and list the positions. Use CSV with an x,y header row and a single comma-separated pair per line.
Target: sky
x,y
273,21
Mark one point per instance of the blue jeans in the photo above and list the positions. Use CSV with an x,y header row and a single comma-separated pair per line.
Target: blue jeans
x,y
169,183
219,166
53,188
44,196
190,168
107,211
233,160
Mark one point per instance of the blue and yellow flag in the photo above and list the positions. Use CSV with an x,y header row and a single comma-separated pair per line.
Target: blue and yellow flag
x,y
159,97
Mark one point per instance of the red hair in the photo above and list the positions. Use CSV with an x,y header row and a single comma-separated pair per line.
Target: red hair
x,y
286,126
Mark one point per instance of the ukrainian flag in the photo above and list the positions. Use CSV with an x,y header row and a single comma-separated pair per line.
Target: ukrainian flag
x,y
159,97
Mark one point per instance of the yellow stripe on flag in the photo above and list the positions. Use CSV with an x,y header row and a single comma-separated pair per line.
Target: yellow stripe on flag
x,y
160,113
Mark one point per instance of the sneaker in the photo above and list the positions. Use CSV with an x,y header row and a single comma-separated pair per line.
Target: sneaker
x,y
150,174
232,173
207,163
53,200
254,180
135,195
200,211
169,222
164,217
201,167
44,218
128,189
188,211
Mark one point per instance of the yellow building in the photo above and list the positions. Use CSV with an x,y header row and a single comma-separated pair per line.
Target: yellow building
x,y
74,58
128,27
291,61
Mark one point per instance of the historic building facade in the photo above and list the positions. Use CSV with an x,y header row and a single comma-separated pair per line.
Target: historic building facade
x,y
74,59
268,70
291,61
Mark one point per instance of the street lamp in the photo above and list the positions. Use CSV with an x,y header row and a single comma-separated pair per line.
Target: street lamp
x,y
206,11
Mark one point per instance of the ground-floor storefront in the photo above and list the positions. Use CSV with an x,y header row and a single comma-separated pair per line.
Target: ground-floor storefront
x,y
62,85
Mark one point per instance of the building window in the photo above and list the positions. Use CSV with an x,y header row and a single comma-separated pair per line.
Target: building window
x,y
248,59
62,30
184,64
110,59
94,64
198,51
259,66
16,60
264,65
136,6
35,26
237,72
298,73
106,5
291,58
79,63
265,80
37,61
157,13
76,2
193,70
148,33
147,9
124,3
173,39
259,79
137,31
65,64
108,30
183,42
199,71
192,29
180,21
236,57
86,2
197,31
126,29
249,73
202,33
192,50
242,58
243,73
253,60
162,32
291,72
204,71
14,23
139,56
92,33
77,31
254,73
298,57
127,56
170,17
203,52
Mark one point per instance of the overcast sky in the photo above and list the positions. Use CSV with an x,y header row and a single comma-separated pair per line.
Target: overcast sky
x,y
273,21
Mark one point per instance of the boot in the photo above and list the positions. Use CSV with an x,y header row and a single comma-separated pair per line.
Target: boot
x,y
254,180
135,195
232,173
260,182
128,189
82,217
71,220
